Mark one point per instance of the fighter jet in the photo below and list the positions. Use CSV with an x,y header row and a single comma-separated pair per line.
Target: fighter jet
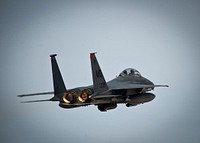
x,y
129,88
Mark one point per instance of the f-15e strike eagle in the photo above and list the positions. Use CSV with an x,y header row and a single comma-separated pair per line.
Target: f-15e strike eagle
x,y
130,88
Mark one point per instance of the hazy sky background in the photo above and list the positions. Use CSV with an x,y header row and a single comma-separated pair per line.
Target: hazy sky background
x,y
158,38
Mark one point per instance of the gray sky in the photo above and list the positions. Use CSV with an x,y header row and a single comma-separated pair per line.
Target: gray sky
x,y
158,38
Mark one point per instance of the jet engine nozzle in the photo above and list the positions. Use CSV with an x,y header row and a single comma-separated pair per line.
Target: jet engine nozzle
x,y
84,96
69,97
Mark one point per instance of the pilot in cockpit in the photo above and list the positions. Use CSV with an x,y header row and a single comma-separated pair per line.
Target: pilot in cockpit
x,y
130,72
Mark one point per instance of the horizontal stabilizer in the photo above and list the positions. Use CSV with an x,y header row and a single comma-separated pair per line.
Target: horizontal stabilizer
x,y
33,101
34,94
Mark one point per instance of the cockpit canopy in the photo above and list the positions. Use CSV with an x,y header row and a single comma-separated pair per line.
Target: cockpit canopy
x,y
130,72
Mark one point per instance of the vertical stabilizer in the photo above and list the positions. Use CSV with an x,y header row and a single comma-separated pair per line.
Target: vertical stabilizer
x,y
58,83
99,82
